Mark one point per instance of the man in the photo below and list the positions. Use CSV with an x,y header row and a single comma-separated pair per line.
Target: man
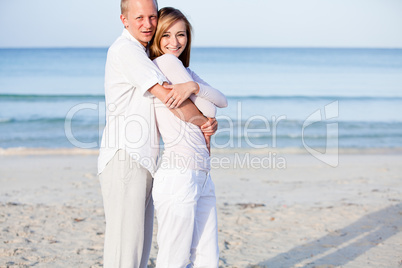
x,y
130,141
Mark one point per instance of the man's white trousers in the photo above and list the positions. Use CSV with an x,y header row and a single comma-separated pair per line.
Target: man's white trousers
x,y
126,190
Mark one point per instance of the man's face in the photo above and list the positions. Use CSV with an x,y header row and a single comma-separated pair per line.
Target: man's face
x,y
141,20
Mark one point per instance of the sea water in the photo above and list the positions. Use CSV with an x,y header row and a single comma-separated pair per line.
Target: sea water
x,y
278,97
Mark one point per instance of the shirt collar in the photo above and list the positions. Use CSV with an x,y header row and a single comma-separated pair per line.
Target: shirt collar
x,y
128,35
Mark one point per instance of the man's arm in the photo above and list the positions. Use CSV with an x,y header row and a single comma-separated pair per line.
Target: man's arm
x,y
136,64
187,111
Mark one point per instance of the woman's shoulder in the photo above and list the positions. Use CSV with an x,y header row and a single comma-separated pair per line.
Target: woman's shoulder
x,y
168,58
168,62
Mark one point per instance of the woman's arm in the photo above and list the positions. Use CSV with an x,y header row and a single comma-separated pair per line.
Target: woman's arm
x,y
187,112
209,93
175,72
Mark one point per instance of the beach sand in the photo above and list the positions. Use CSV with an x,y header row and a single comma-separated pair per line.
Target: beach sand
x,y
295,212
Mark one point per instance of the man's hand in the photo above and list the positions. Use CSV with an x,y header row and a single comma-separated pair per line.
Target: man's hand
x,y
210,127
179,93
208,143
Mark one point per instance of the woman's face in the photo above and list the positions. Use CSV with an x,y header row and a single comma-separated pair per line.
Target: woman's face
x,y
174,39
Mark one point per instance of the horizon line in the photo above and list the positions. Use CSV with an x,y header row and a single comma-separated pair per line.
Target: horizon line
x,y
215,47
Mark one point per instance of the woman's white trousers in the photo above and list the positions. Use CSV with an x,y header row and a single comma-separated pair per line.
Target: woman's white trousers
x,y
185,207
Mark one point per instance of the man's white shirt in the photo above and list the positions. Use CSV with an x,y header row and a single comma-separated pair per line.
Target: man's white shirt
x,y
130,113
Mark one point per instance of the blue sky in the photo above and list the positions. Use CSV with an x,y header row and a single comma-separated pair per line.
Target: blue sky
x,y
252,23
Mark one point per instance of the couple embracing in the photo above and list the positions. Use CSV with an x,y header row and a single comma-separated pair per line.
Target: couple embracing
x,y
150,93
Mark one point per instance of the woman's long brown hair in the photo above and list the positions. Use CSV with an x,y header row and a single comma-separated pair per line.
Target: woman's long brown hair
x,y
166,17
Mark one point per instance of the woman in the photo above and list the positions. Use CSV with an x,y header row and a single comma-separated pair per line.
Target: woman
x,y
183,193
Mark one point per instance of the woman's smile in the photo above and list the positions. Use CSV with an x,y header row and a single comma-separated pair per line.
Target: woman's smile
x,y
174,39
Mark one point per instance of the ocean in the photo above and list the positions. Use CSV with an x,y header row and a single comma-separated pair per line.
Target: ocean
x,y
278,97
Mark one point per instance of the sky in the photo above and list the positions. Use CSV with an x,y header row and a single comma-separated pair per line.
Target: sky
x,y
216,23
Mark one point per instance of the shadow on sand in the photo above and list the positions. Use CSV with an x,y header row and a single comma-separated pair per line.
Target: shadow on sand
x,y
342,246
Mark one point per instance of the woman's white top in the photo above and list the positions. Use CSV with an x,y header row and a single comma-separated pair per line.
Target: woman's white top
x,y
184,143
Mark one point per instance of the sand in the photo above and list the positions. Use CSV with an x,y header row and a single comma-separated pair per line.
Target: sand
x,y
295,212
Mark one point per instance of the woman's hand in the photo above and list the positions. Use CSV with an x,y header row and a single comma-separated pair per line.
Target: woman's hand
x,y
179,93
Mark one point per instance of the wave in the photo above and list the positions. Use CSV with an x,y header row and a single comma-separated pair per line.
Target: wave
x,y
224,125
311,97
24,151
309,136
294,123
5,120
47,151
50,120
33,120
52,97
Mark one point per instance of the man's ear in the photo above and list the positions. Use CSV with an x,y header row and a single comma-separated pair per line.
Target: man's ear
x,y
124,20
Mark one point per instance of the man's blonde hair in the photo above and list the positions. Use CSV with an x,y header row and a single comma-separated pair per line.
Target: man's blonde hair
x,y
125,3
